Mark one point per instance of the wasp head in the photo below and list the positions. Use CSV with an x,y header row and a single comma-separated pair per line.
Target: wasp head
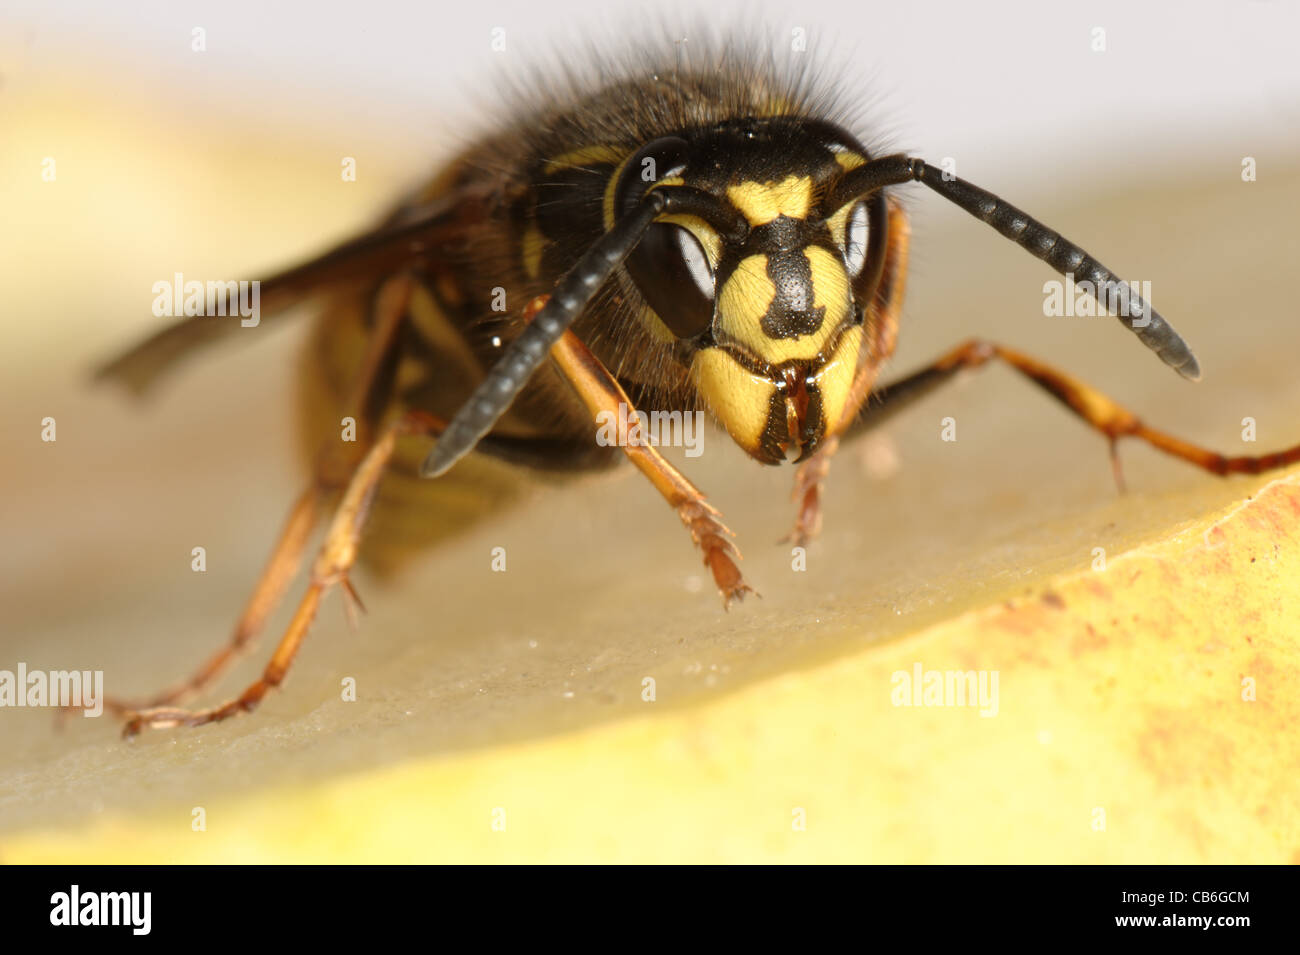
x,y
765,299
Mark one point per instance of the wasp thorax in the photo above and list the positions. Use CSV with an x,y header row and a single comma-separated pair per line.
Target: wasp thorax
x,y
766,305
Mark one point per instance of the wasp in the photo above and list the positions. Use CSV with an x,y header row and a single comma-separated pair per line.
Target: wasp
x,y
700,234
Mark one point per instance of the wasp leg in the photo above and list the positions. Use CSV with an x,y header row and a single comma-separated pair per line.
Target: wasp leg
x,y
334,561
1099,411
602,393
333,464
883,328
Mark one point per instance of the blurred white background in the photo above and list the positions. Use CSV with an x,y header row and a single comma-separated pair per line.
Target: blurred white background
x,y
1010,80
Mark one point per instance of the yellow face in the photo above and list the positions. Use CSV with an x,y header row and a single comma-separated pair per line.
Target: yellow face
x,y
786,331
762,290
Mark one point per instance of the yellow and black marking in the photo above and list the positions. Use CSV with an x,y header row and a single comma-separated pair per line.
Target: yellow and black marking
x,y
755,324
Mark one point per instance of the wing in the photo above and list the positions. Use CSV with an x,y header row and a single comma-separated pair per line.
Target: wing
x,y
415,238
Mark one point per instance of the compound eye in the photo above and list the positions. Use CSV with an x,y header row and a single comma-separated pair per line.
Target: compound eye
x,y
672,271
856,238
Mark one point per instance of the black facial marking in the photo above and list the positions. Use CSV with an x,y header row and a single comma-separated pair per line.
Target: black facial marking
x,y
792,313
776,432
